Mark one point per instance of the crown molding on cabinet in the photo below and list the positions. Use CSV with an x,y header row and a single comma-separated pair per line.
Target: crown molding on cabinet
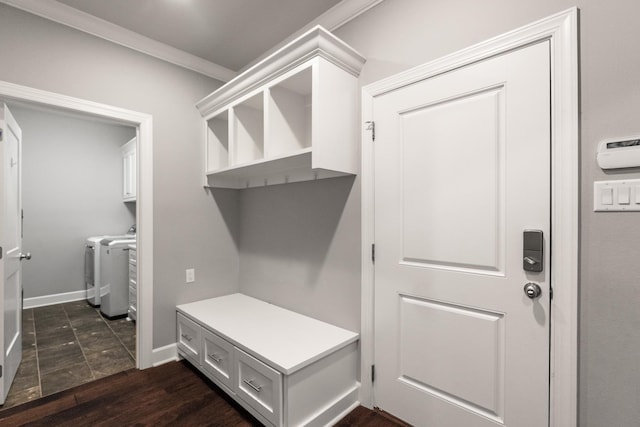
x,y
58,12
315,42
332,19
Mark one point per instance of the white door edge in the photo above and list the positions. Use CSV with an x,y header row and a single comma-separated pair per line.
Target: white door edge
x,y
144,209
562,31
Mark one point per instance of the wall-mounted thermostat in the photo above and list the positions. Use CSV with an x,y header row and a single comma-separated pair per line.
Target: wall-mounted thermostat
x,y
613,154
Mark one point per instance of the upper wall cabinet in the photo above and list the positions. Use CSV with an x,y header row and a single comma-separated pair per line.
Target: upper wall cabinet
x,y
291,117
129,171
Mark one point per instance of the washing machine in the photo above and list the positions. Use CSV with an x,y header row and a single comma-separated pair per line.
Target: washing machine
x,y
92,265
114,276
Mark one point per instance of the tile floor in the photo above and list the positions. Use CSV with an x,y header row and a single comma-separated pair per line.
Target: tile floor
x,y
66,345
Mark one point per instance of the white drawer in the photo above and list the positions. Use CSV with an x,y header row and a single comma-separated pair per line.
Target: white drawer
x,y
259,386
189,337
218,358
133,297
133,273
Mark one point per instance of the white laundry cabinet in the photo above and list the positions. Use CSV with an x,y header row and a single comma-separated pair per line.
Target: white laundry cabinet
x,y
129,171
285,368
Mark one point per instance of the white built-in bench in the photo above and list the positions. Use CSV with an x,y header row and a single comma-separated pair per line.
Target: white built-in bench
x,y
285,368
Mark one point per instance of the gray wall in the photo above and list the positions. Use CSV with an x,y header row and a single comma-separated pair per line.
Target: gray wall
x,y
190,230
71,189
610,106
302,250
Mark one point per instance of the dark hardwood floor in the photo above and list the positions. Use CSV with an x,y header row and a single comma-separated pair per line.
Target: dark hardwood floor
x,y
173,394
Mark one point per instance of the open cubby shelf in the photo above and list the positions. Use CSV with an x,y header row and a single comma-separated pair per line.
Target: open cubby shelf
x,y
291,117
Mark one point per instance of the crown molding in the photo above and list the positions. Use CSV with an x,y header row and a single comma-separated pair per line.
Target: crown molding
x,y
53,10
317,42
66,15
332,19
341,13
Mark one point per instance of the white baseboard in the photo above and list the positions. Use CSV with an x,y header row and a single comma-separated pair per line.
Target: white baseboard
x,y
54,299
166,354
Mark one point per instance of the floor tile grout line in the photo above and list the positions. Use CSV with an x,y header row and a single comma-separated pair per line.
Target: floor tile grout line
x,y
93,376
35,344
118,337
65,311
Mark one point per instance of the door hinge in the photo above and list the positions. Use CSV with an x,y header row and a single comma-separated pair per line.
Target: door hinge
x,y
1,134
373,252
0,252
550,292
0,371
371,125
373,373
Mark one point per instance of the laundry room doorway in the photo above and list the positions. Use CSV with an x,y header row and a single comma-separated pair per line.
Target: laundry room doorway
x,y
125,126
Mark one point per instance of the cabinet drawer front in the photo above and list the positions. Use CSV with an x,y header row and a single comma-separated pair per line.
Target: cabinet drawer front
x,y
133,273
189,337
133,297
259,386
218,358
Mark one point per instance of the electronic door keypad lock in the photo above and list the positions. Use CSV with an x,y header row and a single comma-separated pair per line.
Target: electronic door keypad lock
x,y
532,250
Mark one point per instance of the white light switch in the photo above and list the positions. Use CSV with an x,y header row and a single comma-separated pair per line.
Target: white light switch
x,y
620,195
623,195
606,196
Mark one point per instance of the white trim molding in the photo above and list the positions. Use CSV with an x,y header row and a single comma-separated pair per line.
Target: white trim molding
x,y
332,19
561,30
166,354
315,42
53,10
144,212
45,300
74,18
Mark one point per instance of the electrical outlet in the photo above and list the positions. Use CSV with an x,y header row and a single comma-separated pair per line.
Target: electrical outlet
x,y
191,275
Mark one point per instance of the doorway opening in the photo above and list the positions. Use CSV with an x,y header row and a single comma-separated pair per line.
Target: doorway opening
x,y
561,30
132,125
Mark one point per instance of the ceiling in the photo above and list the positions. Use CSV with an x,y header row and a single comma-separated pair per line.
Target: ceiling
x,y
229,33
217,38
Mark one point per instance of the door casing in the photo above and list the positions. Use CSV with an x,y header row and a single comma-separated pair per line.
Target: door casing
x,y
144,205
562,32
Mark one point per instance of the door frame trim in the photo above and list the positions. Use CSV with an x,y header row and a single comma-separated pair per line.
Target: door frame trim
x,y
561,30
144,203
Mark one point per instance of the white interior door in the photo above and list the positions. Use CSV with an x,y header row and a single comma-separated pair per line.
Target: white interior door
x,y
11,243
462,169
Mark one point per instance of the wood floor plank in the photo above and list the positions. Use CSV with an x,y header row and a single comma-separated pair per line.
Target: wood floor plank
x,y
173,394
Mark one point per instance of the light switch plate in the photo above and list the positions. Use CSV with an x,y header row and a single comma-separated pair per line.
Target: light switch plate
x,y
616,196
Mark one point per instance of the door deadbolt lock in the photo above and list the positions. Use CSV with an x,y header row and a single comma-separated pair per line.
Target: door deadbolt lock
x,y
26,256
532,290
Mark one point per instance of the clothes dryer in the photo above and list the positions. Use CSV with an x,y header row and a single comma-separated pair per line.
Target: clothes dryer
x,y
92,265
114,276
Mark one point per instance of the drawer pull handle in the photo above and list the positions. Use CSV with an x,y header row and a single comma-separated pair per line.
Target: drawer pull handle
x,y
186,337
215,358
252,385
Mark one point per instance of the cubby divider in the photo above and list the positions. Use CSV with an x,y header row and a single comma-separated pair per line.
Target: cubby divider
x,y
218,142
